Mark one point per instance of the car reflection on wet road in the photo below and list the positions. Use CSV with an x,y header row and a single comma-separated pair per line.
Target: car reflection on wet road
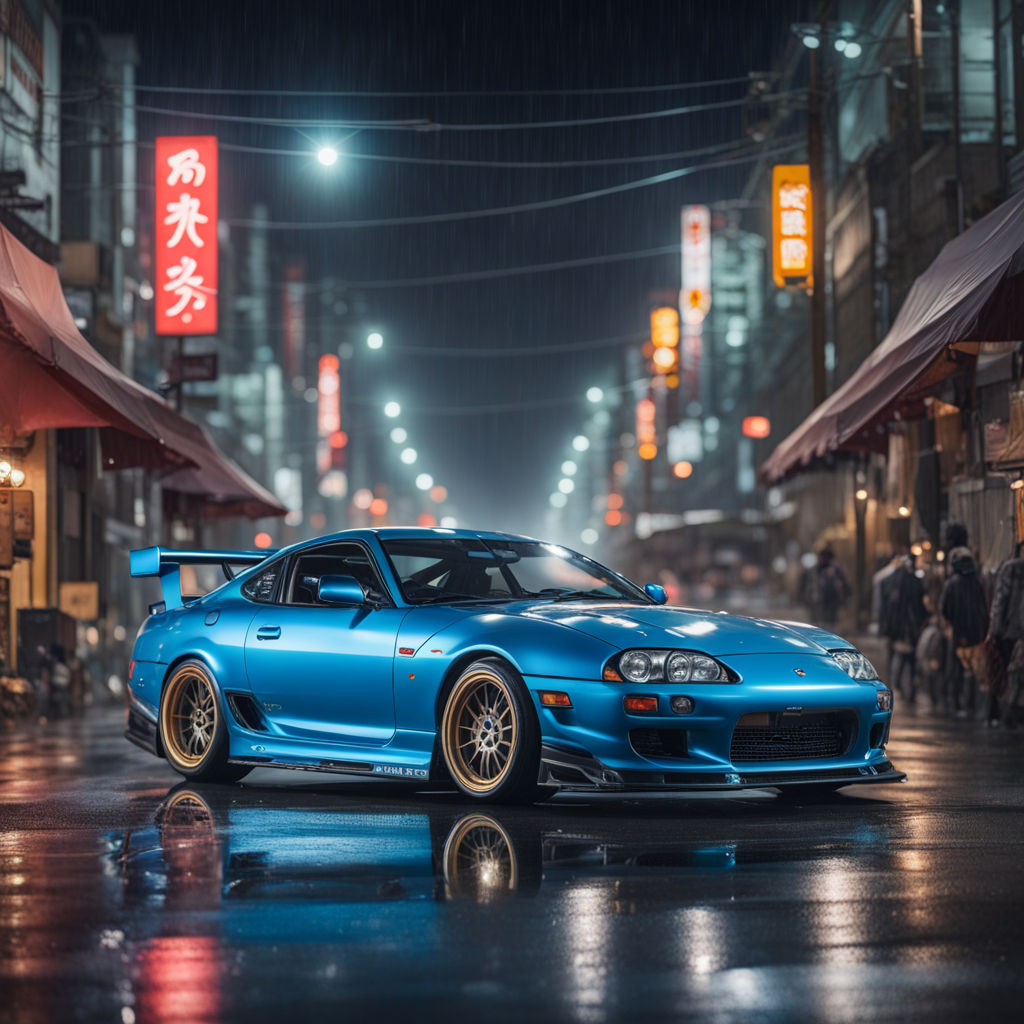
x,y
125,897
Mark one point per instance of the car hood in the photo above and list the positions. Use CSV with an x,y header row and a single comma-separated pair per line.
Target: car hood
x,y
715,633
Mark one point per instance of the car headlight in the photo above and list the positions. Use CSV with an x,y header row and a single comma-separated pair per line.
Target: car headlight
x,y
651,666
854,664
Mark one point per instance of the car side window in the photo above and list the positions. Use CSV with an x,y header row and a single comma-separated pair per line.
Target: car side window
x,y
262,586
332,560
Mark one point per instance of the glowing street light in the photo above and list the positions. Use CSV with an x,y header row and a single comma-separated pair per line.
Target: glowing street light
x,y
392,409
566,486
375,340
569,468
327,155
589,535
580,443
424,481
558,500
408,456
399,435
594,395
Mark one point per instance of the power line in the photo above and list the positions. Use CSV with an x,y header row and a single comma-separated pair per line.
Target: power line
x,y
497,211
535,268
427,125
445,352
411,94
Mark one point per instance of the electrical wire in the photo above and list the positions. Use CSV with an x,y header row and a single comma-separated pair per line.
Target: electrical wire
x,y
411,94
497,211
534,268
427,125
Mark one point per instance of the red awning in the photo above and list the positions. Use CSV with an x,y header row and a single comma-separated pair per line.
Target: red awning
x,y
50,376
220,487
973,292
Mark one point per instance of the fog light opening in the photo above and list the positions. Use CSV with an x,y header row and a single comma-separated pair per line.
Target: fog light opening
x,y
682,705
636,705
554,699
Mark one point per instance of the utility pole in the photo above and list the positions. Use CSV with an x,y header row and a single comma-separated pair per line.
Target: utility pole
x,y
816,159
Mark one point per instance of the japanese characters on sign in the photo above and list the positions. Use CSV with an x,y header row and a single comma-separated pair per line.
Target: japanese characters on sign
x,y
186,235
694,295
792,212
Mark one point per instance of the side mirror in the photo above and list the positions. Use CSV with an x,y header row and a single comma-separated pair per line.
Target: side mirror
x,y
340,590
655,593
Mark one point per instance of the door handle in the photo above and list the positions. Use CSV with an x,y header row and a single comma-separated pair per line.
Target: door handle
x,y
268,633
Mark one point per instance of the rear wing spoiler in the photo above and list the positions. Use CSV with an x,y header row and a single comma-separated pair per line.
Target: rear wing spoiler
x,y
166,564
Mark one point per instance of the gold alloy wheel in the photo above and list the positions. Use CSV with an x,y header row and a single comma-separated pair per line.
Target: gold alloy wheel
x,y
479,860
188,716
479,731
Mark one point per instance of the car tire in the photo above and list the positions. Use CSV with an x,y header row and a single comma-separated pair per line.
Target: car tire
x,y
490,737
193,733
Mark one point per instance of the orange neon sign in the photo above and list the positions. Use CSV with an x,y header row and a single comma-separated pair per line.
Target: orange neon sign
x,y
792,224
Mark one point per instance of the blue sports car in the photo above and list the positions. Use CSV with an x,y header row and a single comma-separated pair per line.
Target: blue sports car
x,y
510,666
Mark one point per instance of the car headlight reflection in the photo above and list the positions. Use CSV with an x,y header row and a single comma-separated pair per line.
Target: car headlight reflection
x,y
854,664
651,666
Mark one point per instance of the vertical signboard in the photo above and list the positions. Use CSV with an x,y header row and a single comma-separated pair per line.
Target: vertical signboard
x,y
792,220
293,315
695,294
328,408
186,235
665,339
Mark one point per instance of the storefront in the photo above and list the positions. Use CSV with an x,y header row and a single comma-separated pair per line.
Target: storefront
x,y
67,417
907,431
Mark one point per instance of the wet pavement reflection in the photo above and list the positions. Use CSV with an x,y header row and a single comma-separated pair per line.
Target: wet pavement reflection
x,y
125,897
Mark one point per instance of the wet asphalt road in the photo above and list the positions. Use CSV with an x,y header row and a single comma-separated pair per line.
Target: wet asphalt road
x,y
127,897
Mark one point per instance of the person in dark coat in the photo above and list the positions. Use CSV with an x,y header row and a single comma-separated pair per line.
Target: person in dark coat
x,y
904,618
965,611
1007,632
826,588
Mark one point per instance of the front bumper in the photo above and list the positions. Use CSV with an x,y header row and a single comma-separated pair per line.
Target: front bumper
x,y
582,773
589,746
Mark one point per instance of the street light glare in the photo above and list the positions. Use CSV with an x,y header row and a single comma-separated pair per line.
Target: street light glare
x,y
566,486
580,443
594,395
558,500
375,340
392,409
408,456
811,42
399,435
853,50
327,155
589,535
424,481
569,468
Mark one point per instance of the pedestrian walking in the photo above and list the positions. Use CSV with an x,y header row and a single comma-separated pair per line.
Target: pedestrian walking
x,y
1007,632
904,619
930,655
826,588
60,682
965,612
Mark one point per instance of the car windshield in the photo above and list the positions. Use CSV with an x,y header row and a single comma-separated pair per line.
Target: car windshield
x,y
440,570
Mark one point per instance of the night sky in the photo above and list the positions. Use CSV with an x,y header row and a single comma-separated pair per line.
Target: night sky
x,y
499,466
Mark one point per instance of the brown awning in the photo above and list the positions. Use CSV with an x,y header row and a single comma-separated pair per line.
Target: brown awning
x,y
973,292
220,487
50,376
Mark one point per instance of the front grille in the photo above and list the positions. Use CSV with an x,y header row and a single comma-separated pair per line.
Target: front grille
x,y
659,743
774,736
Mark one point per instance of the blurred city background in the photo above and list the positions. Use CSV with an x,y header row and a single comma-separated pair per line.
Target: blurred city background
x,y
514,270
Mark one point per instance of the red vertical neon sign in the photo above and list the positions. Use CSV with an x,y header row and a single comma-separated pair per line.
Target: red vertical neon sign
x,y
186,235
